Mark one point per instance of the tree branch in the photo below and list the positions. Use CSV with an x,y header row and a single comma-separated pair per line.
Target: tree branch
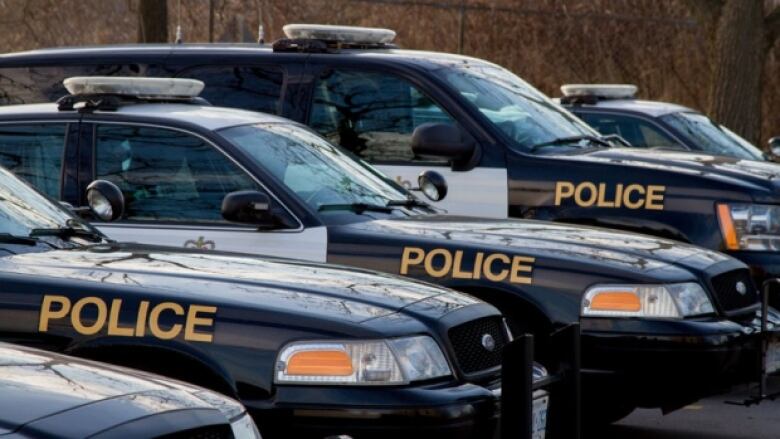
x,y
772,26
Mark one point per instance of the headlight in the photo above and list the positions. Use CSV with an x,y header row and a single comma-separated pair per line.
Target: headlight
x,y
749,226
375,362
664,301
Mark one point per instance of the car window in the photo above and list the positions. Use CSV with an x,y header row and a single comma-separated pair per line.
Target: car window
x,y
256,88
34,153
636,131
371,114
710,137
166,175
38,84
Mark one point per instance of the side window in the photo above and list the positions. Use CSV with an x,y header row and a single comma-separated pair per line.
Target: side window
x,y
166,175
371,114
637,131
31,85
256,88
34,153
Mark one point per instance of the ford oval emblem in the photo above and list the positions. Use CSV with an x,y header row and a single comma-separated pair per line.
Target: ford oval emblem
x,y
488,342
741,288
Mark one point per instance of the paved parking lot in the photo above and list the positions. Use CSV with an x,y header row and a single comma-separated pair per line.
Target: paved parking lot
x,y
707,419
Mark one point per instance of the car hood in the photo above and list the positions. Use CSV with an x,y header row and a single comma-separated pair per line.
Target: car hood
x,y
572,244
36,384
243,282
763,178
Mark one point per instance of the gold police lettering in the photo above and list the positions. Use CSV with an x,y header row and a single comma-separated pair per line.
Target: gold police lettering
x,y
192,320
630,196
495,267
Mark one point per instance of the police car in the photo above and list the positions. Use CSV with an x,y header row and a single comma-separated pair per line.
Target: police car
x,y
664,322
310,350
45,395
503,148
613,109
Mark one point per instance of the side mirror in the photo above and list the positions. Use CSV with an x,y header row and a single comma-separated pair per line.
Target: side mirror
x,y
105,200
250,207
433,185
774,146
442,140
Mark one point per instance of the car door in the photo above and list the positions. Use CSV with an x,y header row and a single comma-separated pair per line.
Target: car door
x,y
374,113
174,182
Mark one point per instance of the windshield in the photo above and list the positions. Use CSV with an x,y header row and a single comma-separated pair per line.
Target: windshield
x,y
23,210
319,173
711,137
523,113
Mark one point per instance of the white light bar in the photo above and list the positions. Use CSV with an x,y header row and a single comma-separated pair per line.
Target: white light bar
x,y
134,86
613,91
344,34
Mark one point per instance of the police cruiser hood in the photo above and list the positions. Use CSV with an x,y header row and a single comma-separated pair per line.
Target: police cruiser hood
x,y
555,248
277,288
760,179
58,396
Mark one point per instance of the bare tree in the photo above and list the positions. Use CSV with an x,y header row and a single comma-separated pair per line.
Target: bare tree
x,y
744,36
152,21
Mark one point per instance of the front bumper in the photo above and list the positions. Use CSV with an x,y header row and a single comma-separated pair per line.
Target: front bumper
x,y
436,410
669,364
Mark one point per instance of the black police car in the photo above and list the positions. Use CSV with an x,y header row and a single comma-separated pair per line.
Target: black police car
x,y
45,395
613,109
665,323
310,350
504,148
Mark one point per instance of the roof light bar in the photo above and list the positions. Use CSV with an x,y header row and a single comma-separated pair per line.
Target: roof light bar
x,y
607,91
133,86
343,34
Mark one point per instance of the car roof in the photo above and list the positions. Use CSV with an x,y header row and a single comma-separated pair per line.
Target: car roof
x,y
649,108
107,52
212,118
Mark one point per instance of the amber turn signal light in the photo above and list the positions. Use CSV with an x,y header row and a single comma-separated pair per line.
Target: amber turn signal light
x,y
616,301
320,363
727,228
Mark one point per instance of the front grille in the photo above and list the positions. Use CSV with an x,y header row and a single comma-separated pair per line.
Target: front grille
x,y
467,342
727,294
210,432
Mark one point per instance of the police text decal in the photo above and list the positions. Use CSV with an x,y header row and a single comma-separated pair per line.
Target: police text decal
x,y
495,267
164,320
630,196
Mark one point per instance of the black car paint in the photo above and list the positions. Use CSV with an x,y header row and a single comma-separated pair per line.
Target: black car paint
x,y
262,305
49,395
614,348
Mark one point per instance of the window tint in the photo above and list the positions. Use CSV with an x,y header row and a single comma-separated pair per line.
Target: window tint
x,y
31,85
256,88
34,153
371,114
638,132
166,175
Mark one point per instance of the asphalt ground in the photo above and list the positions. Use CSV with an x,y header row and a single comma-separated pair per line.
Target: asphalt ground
x,y
711,418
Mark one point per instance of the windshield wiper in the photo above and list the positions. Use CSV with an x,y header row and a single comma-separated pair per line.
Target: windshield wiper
x,y
356,207
409,202
569,140
7,238
67,232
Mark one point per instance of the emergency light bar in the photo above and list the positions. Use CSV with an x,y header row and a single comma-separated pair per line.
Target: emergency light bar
x,y
134,86
606,91
342,34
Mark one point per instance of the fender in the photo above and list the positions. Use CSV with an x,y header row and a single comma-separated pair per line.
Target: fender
x,y
177,356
